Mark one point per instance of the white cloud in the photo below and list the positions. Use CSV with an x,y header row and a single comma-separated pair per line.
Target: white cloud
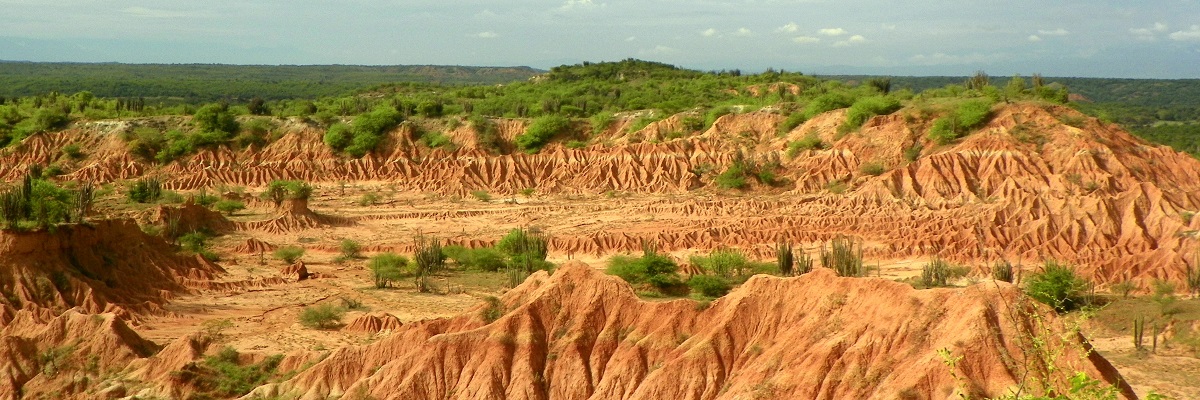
x,y
156,13
710,32
1149,33
1192,34
486,35
805,39
631,38
658,50
951,59
1034,38
856,39
1055,32
832,31
791,27
888,27
743,32
579,5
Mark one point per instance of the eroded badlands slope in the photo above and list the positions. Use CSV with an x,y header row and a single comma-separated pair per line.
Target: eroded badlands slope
x,y
580,334
1025,187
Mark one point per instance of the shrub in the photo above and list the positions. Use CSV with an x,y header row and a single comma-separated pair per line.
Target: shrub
x,y
370,128
973,113
811,141
601,121
487,135
289,254
914,152
867,107
255,132
708,285
144,142
481,195
280,190
483,259
968,115
221,376
793,120
641,269
350,248
657,270
338,136
369,199
321,316
73,151
1123,288
828,102
386,268
41,201
435,139
734,177
197,242
943,131
493,311
872,168
207,200
146,190
541,131
215,118
723,262
229,207
712,115
1056,285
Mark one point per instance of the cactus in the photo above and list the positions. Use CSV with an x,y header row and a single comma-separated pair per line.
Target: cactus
x,y
843,257
1002,271
936,273
804,264
1139,332
429,260
1193,276
785,259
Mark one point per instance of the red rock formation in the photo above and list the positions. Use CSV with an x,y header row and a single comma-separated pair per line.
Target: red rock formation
x,y
101,266
298,269
1024,187
582,335
374,323
63,357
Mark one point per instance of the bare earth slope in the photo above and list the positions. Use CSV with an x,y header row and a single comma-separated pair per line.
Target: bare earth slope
x,y
1025,187
580,334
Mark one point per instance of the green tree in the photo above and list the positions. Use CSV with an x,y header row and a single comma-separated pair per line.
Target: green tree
x,y
215,118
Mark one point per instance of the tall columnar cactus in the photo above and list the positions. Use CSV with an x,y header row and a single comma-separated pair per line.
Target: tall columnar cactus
x,y
844,257
785,259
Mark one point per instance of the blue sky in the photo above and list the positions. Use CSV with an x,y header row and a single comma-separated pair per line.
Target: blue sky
x,y
1098,38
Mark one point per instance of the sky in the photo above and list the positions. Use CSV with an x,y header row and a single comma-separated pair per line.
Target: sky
x,y
1093,38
